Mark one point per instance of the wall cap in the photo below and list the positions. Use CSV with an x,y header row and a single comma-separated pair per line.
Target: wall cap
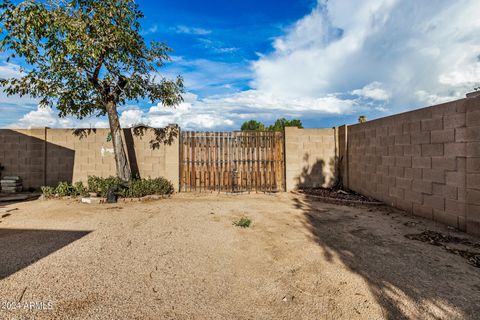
x,y
473,94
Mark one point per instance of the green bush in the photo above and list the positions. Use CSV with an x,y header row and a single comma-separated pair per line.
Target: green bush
x,y
102,185
133,189
65,189
80,189
48,192
144,187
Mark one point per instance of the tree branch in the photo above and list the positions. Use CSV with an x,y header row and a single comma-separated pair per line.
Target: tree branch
x,y
99,65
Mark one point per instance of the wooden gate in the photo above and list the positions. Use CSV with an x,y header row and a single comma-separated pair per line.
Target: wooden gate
x,y
232,161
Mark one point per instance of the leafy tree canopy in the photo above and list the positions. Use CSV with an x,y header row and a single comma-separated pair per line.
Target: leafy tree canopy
x,y
84,53
279,125
252,125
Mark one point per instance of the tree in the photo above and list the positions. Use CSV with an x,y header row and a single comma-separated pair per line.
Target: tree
x,y
362,119
252,125
86,57
281,123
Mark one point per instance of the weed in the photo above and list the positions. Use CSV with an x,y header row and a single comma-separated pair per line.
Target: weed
x,y
244,222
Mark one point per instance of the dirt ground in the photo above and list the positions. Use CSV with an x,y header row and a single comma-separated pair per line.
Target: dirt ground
x,y
182,258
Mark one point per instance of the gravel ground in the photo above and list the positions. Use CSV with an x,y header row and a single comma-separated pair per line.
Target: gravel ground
x,y
182,258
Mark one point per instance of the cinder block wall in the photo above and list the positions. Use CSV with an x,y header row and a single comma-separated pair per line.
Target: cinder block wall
x,y
424,161
310,157
48,156
471,134
22,153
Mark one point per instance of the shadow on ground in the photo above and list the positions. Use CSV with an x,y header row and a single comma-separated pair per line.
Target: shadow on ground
x,y
20,248
437,285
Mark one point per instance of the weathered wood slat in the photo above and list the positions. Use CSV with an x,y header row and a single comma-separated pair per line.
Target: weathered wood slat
x,y
232,161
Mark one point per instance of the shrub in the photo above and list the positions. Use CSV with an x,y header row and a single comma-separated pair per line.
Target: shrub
x,y
48,192
80,189
243,222
65,189
102,185
144,187
133,189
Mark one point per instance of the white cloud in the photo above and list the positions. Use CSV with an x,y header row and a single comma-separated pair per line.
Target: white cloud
x,y
10,70
48,117
348,46
42,117
151,30
191,30
469,76
433,99
373,91
329,104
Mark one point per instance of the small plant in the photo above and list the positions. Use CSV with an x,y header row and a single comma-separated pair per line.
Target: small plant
x,y
244,222
64,189
48,192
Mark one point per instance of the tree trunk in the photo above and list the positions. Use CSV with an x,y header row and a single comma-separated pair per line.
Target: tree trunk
x,y
123,168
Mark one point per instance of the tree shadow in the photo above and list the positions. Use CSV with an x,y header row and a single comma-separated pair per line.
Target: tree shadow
x,y
165,136
132,155
158,137
395,271
312,176
319,174
23,247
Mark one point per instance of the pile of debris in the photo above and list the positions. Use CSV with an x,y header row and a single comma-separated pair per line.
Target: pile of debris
x,y
338,196
11,184
463,247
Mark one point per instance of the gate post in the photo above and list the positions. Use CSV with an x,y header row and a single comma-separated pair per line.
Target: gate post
x,y
180,159
284,154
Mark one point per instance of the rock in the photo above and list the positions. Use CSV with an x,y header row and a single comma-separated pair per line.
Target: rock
x,y
93,200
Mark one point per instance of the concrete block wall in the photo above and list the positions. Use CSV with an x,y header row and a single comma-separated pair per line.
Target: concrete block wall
x,y
47,156
471,135
310,157
425,161
22,153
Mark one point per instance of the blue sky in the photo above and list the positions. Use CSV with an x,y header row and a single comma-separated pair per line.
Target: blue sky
x,y
323,62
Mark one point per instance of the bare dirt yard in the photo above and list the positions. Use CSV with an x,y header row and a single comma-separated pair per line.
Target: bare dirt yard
x,y
182,258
